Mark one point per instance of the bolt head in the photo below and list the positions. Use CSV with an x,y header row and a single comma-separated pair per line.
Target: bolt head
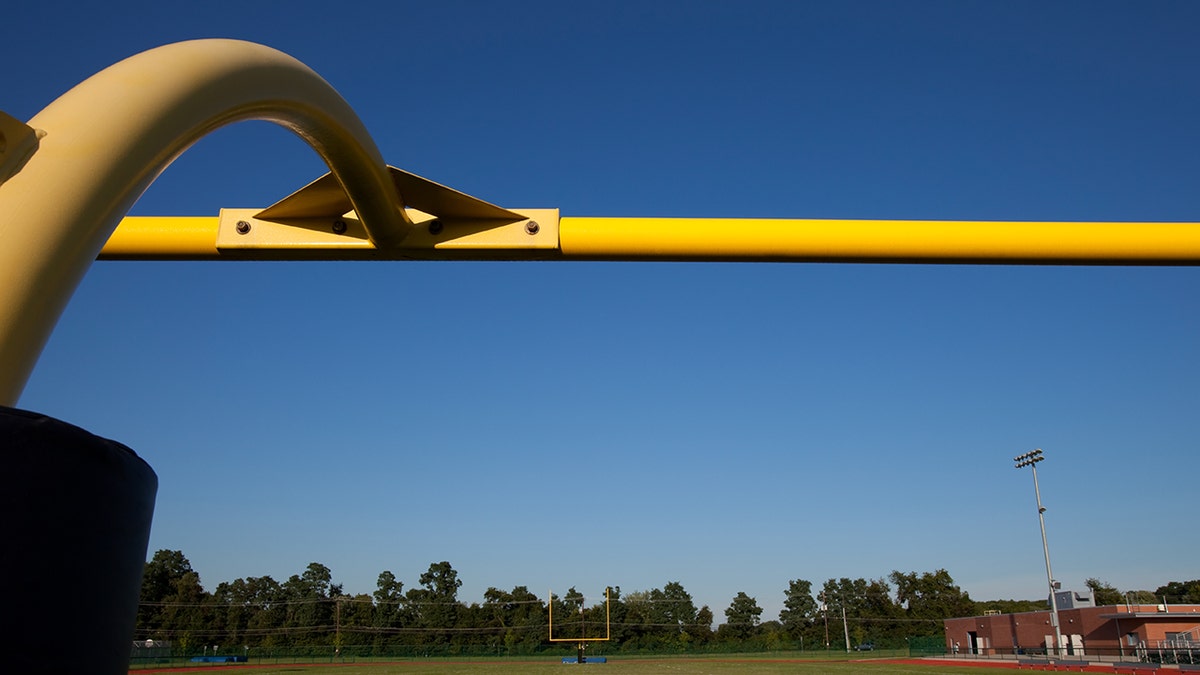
x,y
532,227
243,227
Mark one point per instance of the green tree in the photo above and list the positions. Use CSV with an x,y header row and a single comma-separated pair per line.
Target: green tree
x,y
160,577
673,613
436,603
662,618
442,581
931,596
1104,594
1011,606
799,608
870,613
573,600
618,615
1140,597
569,615
701,631
269,601
390,608
741,617
520,616
247,611
596,618
352,616
186,612
771,636
310,611
1180,592
634,628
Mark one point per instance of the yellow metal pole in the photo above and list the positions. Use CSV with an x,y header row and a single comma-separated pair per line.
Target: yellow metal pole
x,y
163,238
921,241
607,615
880,241
100,145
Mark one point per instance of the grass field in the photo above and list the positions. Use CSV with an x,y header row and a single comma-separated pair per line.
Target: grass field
x,y
631,666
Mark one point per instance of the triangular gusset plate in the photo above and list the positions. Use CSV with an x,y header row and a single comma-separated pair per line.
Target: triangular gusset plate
x,y
325,197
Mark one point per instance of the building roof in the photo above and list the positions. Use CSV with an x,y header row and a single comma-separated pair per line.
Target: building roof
x,y
1175,613
1174,616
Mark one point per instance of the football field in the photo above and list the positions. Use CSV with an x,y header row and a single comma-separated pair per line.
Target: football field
x,y
631,666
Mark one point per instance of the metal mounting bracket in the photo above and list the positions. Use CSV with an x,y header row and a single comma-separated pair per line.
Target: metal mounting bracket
x,y
446,224
18,142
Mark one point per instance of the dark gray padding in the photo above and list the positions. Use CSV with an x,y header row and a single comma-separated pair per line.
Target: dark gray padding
x,y
75,513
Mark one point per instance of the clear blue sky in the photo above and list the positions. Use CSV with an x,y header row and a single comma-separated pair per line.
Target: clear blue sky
x,y
727,426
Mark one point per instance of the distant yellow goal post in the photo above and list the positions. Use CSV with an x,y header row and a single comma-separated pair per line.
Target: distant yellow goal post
x,y
581,641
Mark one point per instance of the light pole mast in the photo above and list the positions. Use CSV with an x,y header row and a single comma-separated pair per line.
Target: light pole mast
x,y
1030,459
846,629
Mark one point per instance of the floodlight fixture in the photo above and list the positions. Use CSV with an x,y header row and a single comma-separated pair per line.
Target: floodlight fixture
x,y
1029,459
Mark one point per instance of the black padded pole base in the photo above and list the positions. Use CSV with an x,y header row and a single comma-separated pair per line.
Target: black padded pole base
x,y
75,514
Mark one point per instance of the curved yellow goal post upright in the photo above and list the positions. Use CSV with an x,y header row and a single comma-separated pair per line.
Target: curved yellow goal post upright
x,y
73,171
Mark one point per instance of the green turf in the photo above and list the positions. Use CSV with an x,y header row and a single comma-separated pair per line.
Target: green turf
x,y
629,666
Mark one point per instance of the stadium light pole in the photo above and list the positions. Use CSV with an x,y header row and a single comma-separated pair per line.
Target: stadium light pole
x,y
1030,459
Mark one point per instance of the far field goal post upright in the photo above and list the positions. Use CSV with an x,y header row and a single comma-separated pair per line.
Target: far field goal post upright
x,y
582,641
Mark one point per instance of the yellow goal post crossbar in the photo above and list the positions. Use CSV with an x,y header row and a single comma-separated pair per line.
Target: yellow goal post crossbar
x,y
702,239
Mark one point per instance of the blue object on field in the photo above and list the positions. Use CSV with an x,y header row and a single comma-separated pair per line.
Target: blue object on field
x,y
218,659
587,660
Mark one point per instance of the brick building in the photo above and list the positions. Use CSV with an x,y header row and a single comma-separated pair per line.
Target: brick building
x,y
1113,630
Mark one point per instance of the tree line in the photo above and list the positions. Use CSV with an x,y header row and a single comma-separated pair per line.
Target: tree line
x,y
309,609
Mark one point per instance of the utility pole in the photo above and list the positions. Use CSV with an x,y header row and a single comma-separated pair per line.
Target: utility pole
x,y
825,617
